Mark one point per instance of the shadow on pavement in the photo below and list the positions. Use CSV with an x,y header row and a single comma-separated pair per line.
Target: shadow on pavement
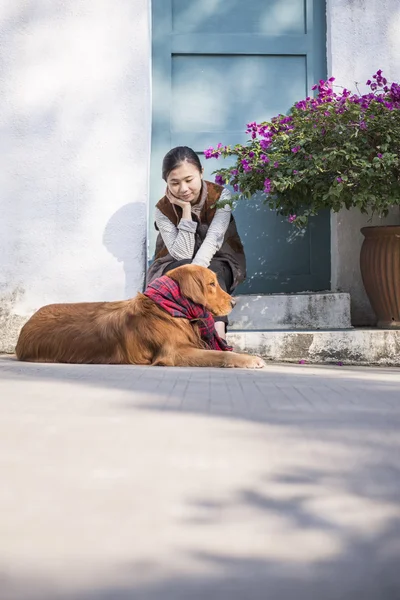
x,y
317,533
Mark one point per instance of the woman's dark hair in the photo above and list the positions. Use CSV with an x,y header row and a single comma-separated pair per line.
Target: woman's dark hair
x,y
176,156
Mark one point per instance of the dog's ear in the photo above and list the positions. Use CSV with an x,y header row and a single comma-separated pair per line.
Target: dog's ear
x,y
190,279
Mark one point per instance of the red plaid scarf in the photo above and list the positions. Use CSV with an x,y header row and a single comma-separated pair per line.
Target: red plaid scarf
x,y
165,292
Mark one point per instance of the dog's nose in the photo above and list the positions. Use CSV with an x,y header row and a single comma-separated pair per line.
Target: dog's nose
x,y
233,302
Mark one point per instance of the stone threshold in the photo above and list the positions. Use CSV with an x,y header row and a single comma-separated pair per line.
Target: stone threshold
x,y
347,347
303,311
344,347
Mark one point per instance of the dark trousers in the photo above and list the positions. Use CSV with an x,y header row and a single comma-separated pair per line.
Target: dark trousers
x,y
222,271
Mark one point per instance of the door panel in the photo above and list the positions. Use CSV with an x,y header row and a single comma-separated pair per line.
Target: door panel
x,y
218,64
227,16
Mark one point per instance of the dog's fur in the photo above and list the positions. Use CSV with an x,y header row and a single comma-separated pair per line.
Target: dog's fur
x,y
135,331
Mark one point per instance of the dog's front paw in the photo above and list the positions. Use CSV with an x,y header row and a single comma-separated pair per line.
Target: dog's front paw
x,y
253,362
256,363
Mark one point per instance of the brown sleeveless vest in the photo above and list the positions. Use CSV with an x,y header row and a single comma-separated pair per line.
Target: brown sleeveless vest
x,y
231,250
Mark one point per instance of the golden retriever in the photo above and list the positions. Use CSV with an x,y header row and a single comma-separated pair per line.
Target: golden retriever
x,y
136,331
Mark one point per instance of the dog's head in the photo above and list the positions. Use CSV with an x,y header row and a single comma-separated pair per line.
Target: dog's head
x,y
201,286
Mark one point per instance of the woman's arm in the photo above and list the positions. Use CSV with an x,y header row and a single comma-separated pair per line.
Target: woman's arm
x,y
178,240
215,234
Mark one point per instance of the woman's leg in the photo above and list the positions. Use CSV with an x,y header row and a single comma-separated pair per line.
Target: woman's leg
x,y
176,264
220,328
225,280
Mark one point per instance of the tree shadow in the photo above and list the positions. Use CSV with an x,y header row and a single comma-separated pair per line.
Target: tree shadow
x,y
300,550
329,529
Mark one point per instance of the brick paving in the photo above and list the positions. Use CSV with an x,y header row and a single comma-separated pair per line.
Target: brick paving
x,y
163,483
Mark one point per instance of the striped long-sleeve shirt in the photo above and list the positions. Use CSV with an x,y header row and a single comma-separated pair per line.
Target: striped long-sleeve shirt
x,y
180,240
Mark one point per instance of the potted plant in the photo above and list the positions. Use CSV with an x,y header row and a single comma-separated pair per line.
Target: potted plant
x,y
334,150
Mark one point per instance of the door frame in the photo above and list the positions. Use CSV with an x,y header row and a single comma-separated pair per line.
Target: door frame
x,y
165,44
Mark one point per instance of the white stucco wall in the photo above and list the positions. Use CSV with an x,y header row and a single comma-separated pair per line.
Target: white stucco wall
x,y
75,116
362,37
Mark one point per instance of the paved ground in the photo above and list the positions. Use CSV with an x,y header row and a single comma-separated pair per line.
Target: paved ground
x,y
139,483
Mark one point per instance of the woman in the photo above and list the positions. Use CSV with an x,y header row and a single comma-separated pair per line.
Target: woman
x,y
191,228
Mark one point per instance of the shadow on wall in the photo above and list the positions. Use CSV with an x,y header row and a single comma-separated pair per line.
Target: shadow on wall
x,y
120,238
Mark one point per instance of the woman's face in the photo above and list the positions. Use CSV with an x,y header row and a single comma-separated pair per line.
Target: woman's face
x,y
185,182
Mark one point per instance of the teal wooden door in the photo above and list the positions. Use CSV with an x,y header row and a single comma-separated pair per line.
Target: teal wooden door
x,y
217,65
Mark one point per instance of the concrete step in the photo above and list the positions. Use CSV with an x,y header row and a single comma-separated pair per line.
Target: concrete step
x,y
349,347
321,310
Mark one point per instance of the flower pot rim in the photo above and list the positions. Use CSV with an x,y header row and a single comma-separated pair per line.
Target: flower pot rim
x,y
377,230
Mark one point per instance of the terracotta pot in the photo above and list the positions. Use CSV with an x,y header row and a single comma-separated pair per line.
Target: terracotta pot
x,y
380,270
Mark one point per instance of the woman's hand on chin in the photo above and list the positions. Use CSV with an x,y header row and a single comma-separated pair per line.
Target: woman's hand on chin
x,y
178,201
